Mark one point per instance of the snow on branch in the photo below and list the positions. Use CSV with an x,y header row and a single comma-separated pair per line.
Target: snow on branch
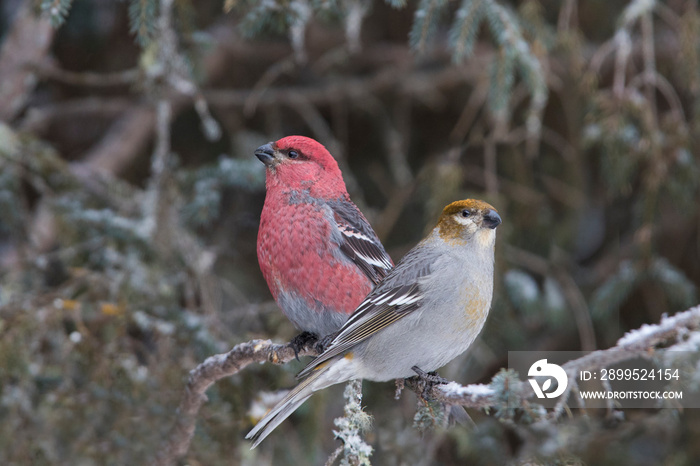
x,y
506,391
669,327
635,343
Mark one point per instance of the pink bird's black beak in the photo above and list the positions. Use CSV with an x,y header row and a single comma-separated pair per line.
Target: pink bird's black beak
x,y
266,154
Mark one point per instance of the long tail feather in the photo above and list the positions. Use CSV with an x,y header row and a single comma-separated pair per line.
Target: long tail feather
x,y
295,398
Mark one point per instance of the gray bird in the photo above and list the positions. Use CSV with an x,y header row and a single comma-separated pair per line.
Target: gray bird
x,y
428,310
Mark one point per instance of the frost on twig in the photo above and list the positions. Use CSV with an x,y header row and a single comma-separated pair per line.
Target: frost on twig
x,y
506,393
355,450
673,331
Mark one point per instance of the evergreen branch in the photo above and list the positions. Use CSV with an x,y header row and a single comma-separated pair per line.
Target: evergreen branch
x,y
301,13
502,79
185,15
425,23
465,29
355,12
143,16
679,289
396,3
262,16
516,51
613,292
57,10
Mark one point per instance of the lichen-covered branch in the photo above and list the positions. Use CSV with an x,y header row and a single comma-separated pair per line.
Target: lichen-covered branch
x,y
355,450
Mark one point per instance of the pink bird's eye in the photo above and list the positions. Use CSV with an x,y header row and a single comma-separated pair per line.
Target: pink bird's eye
x,y
293,154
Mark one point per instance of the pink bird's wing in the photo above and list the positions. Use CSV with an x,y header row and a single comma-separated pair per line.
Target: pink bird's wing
x,y
359,242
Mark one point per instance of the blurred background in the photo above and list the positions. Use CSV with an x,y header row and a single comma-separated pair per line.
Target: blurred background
x,y
130,200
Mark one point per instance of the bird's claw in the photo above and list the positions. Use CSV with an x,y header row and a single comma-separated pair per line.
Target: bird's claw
x,y
431,377
428,380
302,341
323,343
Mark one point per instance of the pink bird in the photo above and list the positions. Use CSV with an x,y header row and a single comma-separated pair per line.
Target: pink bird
x,y
317,252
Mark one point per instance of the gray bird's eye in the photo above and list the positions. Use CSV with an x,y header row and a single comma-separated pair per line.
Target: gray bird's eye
x,y
293,154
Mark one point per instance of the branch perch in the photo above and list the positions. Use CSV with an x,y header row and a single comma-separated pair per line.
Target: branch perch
x,y
635,343
479,396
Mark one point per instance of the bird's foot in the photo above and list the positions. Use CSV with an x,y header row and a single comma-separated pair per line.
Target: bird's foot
x,y
428,380
323,343
302,341
431,377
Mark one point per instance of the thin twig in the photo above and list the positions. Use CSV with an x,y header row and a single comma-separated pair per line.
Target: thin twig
x,y
322,130
567,16
351,89
490,168
623,44
649,61
666,88
334,456
577,301
117,78
39,118
27,41
472,108
155,195
276,70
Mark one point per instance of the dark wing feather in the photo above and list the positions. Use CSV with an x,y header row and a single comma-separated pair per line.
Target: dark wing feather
x,y
374,314
359,242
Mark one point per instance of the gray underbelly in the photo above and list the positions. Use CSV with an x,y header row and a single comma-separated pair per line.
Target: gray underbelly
x,y
428,343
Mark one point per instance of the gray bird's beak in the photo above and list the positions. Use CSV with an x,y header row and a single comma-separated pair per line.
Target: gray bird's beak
x,y
492,219
266,154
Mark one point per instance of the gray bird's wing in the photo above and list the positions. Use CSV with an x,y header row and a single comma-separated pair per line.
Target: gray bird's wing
x,y
359,242
394,298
